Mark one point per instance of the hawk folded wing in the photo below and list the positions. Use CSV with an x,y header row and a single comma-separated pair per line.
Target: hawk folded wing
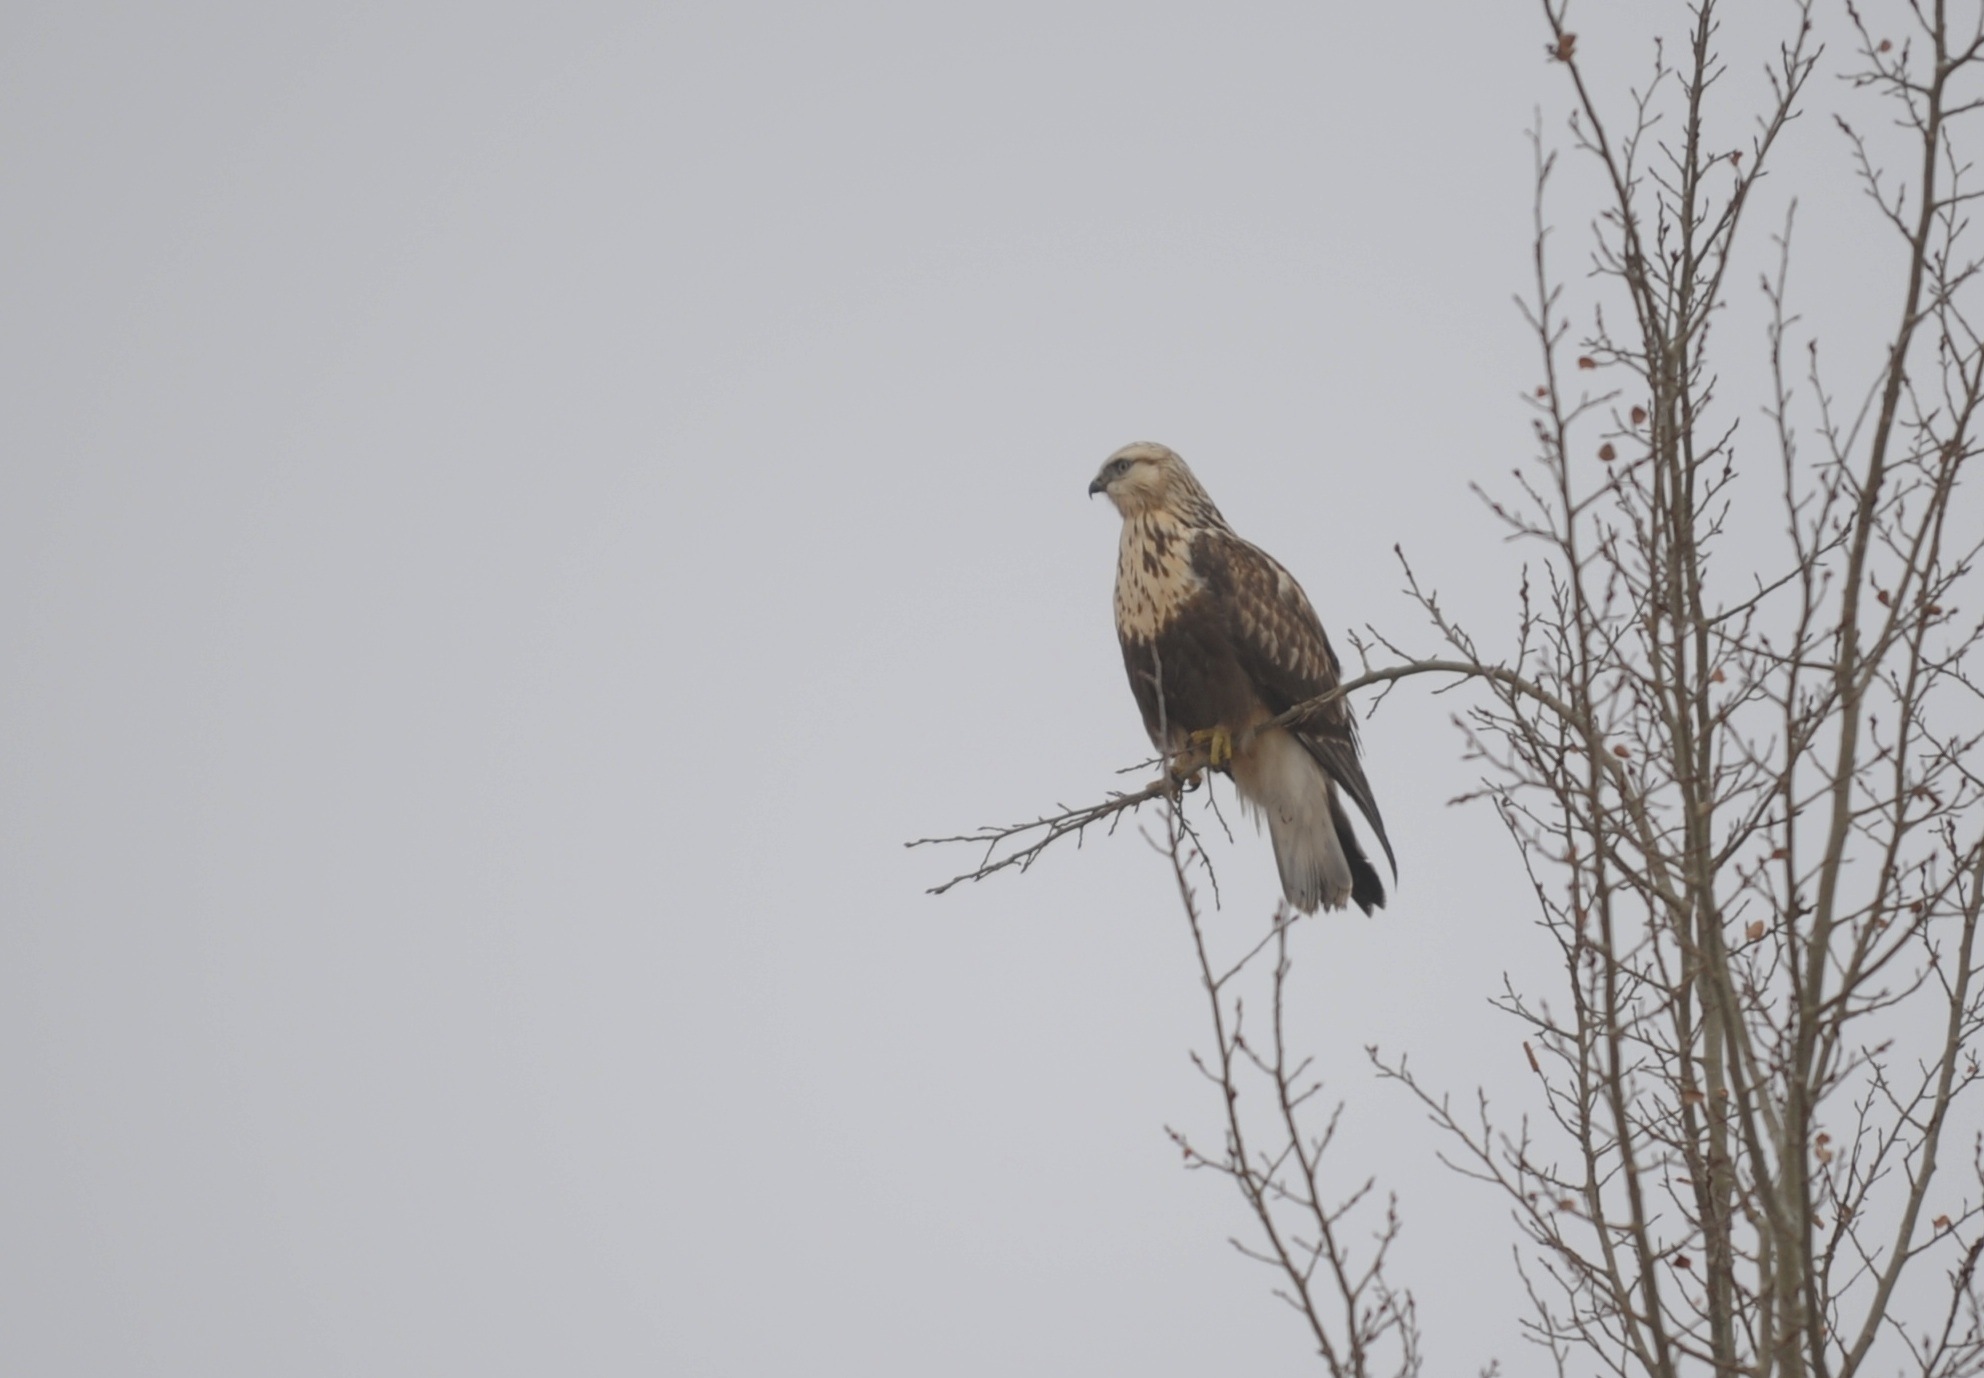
x,y
1282,647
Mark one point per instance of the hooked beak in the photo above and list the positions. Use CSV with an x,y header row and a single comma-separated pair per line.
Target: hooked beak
x,y
1097,487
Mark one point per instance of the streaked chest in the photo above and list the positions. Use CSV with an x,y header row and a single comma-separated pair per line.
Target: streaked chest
x,y
1154,575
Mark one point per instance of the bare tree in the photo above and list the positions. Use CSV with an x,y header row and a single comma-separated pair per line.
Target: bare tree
x,y
1736,740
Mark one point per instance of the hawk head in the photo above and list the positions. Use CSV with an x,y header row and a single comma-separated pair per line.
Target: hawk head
x,y
1148,477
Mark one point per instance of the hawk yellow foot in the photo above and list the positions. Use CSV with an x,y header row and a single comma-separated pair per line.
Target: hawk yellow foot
x,y
1218,743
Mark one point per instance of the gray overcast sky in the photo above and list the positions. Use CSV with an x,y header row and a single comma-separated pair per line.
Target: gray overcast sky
x,y
511,515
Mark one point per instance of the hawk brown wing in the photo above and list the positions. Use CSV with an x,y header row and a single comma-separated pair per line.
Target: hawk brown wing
x,y
1281,647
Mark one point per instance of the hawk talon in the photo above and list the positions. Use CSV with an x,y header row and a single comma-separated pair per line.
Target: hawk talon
x,y
1184,780
1218,743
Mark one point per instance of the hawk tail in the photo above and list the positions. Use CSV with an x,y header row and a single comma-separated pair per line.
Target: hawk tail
x,y
1322,864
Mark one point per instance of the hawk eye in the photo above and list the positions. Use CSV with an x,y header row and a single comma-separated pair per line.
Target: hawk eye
x,y
1121,466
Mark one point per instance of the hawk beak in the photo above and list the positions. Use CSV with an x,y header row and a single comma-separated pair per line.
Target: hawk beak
x,y
1097,487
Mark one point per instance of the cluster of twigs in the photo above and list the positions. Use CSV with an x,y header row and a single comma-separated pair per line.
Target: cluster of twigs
x,y
1360,1323
1755,840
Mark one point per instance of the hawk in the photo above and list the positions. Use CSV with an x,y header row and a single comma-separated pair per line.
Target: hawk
x,y
1219,640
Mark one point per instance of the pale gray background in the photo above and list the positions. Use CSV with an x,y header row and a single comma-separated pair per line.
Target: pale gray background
x,y
510,516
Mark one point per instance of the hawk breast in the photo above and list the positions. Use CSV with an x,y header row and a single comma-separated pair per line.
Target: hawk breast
x,y
1155,579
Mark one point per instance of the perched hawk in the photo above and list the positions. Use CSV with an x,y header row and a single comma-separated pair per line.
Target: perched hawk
x,y
1219,640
